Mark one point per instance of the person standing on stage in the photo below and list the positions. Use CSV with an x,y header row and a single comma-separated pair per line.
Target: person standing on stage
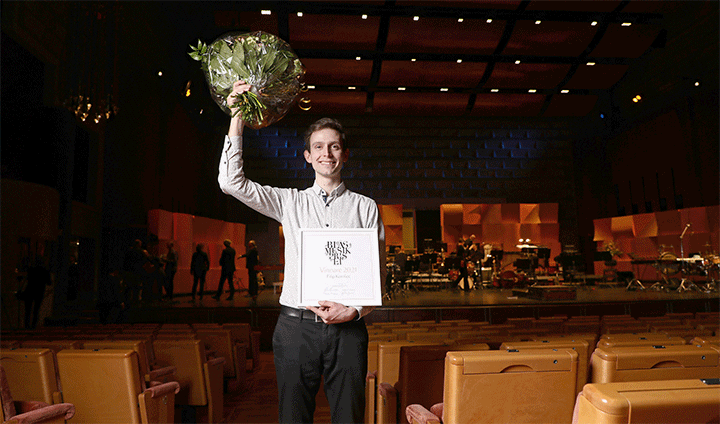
x,y
227,270
330,341
199,265
252,259
171,263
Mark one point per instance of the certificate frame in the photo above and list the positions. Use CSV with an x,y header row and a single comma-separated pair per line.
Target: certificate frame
x,y
339,265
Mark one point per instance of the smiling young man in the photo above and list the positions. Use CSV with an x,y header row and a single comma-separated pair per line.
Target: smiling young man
x,y
329,341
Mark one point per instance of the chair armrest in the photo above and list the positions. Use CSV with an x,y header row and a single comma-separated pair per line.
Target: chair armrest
x,y
157,389
58,412
437,409
386,404
216,361
370,393
157,403
417,414
163,374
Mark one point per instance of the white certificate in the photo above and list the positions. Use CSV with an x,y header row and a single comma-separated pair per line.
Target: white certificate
x,y
340,265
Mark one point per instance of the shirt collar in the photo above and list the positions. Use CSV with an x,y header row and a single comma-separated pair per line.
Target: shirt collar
x,y
336,192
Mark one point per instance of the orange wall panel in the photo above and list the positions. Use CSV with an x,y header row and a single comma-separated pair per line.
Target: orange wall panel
x,y
472,214
529,213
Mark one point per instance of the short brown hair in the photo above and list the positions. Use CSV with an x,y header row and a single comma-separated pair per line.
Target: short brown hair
x,y
322,124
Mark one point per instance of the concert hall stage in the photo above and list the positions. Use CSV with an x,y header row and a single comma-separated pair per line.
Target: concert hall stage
x,y
489,304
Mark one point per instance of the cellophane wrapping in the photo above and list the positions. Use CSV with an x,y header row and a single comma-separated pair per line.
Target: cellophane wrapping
x,y
262,60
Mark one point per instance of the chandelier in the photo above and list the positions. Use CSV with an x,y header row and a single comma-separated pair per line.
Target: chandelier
x,y
91,76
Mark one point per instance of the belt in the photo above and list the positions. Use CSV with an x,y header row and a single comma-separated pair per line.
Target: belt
x,y
299,313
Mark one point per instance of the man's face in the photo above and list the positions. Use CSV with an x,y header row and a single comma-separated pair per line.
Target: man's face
x,y
326,154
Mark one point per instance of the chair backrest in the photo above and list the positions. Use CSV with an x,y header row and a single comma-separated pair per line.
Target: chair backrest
x,y
188,357
580,346
646,363
138,346
220,340
31,374
666,401
422,373
389,359
651,339
527,386
103,385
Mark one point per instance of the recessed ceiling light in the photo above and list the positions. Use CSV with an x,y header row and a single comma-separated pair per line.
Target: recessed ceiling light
x,y
517,62
351,88
413,59
443,89
364,16
459,61
300,14
532,90
697,83
538,22
626,23
591,64
494,90
593,23
489,21
416,18
401,88
564,91
160,74
265,12
460,19
357,58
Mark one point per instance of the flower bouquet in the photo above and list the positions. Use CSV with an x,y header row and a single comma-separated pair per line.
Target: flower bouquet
x,y
260,59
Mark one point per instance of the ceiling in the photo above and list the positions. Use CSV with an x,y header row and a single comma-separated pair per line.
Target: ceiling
x,y
535,58
506,58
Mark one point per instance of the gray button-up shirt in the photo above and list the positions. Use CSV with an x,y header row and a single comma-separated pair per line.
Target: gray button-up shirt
x,y
296,209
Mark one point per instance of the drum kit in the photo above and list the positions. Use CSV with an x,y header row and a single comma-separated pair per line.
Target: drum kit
x,y
682,274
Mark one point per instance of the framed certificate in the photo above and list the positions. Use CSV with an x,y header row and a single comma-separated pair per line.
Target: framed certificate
x,y
340,265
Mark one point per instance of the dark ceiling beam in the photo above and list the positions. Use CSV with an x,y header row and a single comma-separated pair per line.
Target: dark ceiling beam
x,y
504,39
603,24
383,30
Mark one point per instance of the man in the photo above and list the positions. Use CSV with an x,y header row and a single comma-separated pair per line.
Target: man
x,y
171,262
199,266
227,270
329,341
250,263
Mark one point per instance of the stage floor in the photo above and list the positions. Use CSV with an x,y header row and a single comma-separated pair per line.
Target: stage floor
x,y
423,298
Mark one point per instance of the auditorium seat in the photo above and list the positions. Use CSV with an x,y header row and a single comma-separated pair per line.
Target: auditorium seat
x,y
389,359
30,412
105,386
660,362
201,380
420,380
54,345
234,351
642,339
148,372
580,346
531,386
31,374
706,341
649,402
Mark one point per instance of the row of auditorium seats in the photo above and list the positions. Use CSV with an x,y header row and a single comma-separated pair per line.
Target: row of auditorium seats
x,y
538,370
76,365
